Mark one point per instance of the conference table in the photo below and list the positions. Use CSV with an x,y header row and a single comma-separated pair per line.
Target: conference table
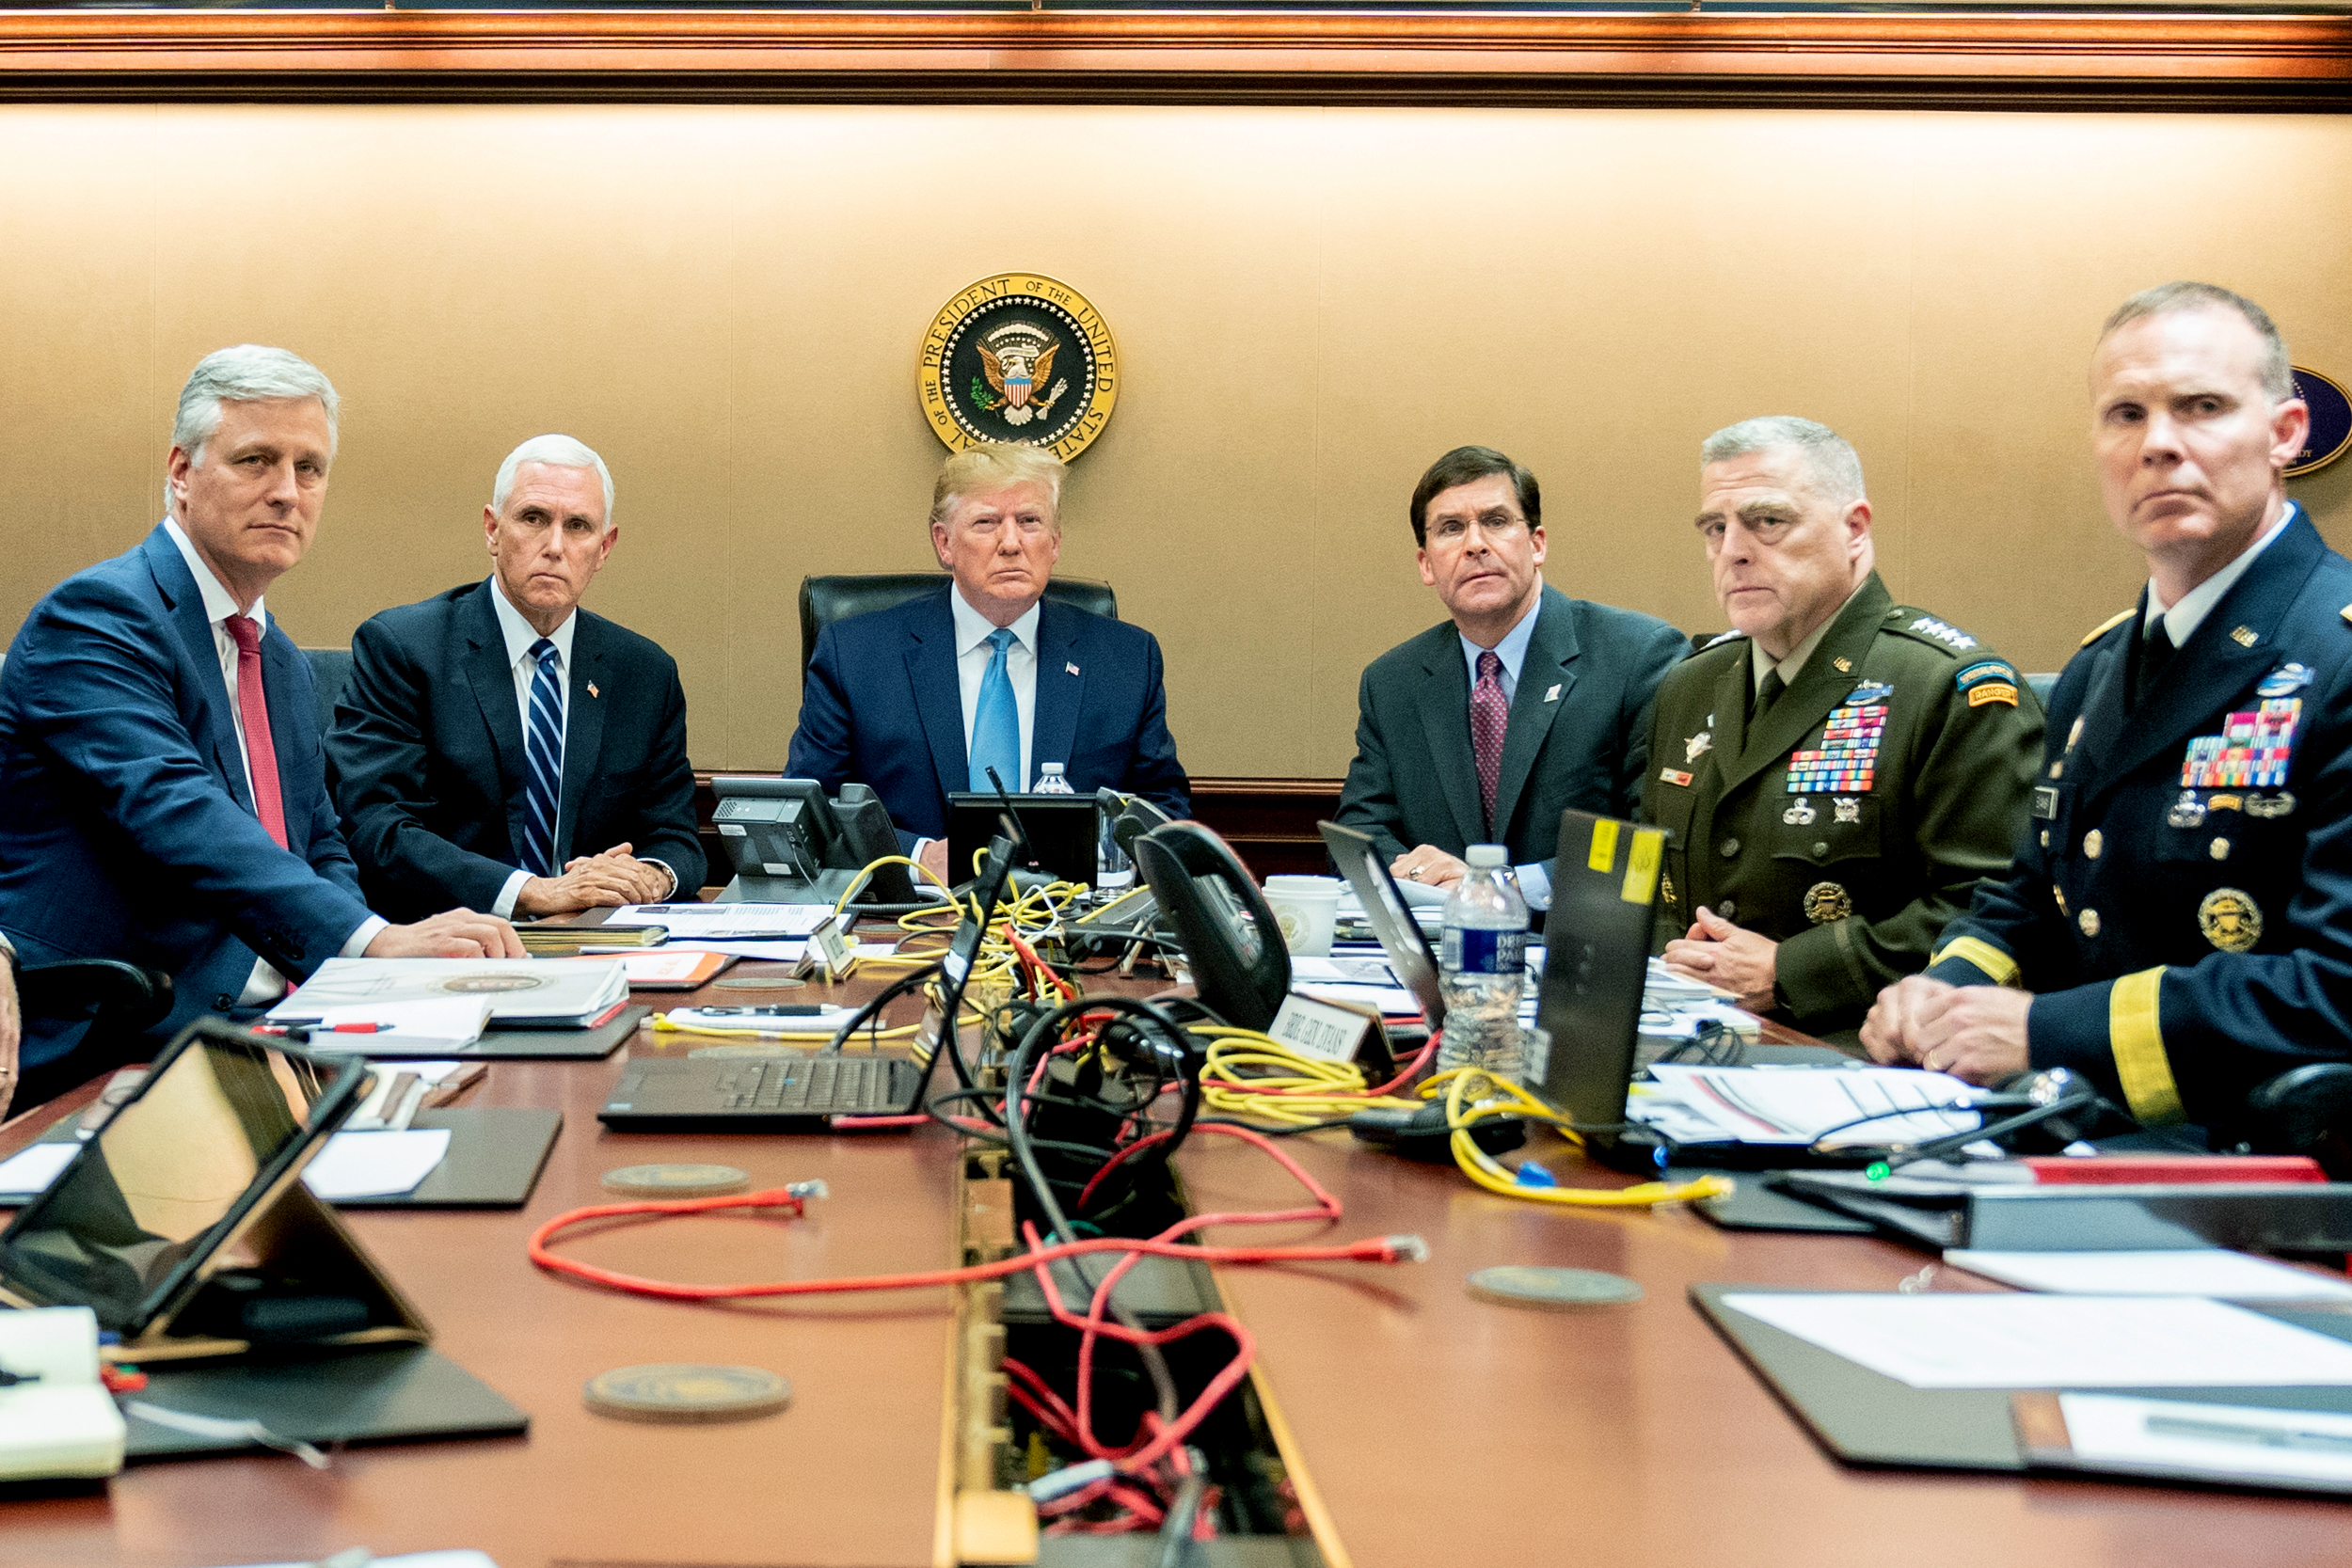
x,y
1431,1427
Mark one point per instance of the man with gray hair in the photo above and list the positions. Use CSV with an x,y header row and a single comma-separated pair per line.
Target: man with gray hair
x,y
498,744
2174,929
1840,771
161,795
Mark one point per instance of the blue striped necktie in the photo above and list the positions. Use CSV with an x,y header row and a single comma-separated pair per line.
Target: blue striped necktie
x,y
996,721
544,747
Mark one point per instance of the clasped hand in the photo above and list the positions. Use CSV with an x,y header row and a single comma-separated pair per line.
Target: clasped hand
x,y
1729,955
593,882
1972,1032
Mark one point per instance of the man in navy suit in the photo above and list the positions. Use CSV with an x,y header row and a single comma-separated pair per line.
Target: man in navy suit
x,y
162,797
491,730
1485,727
2177,924
921,699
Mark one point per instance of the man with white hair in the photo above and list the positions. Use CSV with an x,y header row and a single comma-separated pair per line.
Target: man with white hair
x,y
1840,773
497,744
161,795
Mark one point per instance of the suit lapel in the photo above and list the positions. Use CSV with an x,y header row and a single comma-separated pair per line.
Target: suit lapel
x,y
1821,685
1445,721
938,700
1060,687
583,734
201,655
1545,682
2212,667
491,679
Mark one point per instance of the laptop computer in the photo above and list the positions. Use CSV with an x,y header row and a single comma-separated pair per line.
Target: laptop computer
x,y
1410,957
798,1092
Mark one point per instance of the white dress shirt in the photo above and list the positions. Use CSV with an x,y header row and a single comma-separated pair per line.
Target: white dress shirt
x,y
972,655
2182,619
266,984
521,636
1535,878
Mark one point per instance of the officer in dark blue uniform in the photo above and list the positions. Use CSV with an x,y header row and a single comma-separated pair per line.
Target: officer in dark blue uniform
x,y
2177,926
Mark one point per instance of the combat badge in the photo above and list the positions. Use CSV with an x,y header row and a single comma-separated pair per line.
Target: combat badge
x,y
2231,920
1801,814
2285,681
2187,812
1827,901
1847,810
2270,806
1019,357
1697,745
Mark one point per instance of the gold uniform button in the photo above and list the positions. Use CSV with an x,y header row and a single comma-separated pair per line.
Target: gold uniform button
x,y
2045,838
2092,843
2060,894
2221,848
2089,921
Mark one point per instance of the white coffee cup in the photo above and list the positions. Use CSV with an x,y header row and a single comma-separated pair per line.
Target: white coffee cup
x,y
1306,909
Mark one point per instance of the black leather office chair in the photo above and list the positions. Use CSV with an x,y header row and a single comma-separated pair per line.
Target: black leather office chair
x,y
330,667
825,600
117,998
2306,1110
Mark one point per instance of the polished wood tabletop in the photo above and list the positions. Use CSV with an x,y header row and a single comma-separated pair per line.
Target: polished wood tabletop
x,y
1438,1428
847,1477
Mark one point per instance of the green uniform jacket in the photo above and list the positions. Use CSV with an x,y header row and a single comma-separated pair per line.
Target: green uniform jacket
x,y
1855,869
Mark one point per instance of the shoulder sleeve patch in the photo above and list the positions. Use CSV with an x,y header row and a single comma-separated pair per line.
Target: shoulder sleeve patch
x,y
1988,680
2123,615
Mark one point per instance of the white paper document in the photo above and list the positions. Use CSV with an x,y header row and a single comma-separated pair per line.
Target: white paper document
x,y
522,992
1389,1001
725,921
444,1022
2190,1272
784,951
1797,1105
1368,969
24,1174
2236,1442
1955,1340
58,1420
374,1164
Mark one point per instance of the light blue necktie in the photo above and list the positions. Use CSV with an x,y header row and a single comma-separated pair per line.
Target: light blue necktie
x,y
996,722
544,747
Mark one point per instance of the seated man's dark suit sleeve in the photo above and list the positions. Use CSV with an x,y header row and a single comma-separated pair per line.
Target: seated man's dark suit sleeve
x,y
1368,799
1152,771
431,774
824,745
126,828
2186,939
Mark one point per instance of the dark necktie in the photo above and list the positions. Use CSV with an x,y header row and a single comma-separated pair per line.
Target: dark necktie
x,y
1490,721
2155,652
1769,692
260,753
544,746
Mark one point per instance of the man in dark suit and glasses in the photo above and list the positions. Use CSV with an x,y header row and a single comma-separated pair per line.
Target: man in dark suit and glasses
x,y
498,744
1485,727
2177,924
921,699
161,794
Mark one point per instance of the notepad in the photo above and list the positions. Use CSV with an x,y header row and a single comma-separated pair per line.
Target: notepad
x,y
374,1164
61,1421
1938,1340
2187,1272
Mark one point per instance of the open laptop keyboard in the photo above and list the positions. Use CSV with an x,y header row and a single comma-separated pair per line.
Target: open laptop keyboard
x,y
824,1085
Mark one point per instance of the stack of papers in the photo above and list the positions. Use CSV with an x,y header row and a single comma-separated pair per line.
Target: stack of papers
x,y
1799,1105
59,1420
1358,976
351,1165
523,993
1675,1006
439,1023
2188,1271
726,922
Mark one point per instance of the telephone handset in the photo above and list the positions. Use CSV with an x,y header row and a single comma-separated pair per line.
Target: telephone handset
x,y
1240,967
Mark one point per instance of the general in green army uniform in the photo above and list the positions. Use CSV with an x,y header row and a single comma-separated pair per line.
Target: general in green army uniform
x,y
1839,773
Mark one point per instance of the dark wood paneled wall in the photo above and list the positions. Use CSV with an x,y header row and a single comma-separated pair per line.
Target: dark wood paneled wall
x,y
1269,822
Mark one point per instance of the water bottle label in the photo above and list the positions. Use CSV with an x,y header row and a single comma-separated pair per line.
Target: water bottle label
x,y
1468,950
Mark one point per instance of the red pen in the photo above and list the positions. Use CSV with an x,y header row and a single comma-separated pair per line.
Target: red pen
x,y
316,1026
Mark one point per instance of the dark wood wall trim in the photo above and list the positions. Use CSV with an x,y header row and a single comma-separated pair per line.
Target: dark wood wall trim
x,y
1269,822
2157,60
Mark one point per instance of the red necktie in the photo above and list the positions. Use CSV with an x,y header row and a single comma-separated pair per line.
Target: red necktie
x,y
1490,721
261,754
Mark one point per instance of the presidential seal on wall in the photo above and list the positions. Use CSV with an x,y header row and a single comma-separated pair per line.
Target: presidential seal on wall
x,y
1019,357
2331,434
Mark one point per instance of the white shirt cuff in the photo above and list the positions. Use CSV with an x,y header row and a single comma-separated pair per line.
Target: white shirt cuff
x,y
673,874
503,905
1534,884
356,946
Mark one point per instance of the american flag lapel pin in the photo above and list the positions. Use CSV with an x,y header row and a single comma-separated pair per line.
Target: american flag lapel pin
x,y
1072,668
592,690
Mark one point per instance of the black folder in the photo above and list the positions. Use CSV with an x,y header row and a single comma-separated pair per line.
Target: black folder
x,y
494,1156
1866,1417
398,1393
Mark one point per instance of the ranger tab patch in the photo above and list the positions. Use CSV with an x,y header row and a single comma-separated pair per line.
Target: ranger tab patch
x,y
1988,681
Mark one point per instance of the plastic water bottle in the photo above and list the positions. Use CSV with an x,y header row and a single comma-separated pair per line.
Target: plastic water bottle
x,y
1050,780
1483,959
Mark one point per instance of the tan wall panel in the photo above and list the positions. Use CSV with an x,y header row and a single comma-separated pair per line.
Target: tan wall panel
x,y
1310,305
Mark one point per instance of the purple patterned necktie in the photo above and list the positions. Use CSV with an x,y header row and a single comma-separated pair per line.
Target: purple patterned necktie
x,y
1490,719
